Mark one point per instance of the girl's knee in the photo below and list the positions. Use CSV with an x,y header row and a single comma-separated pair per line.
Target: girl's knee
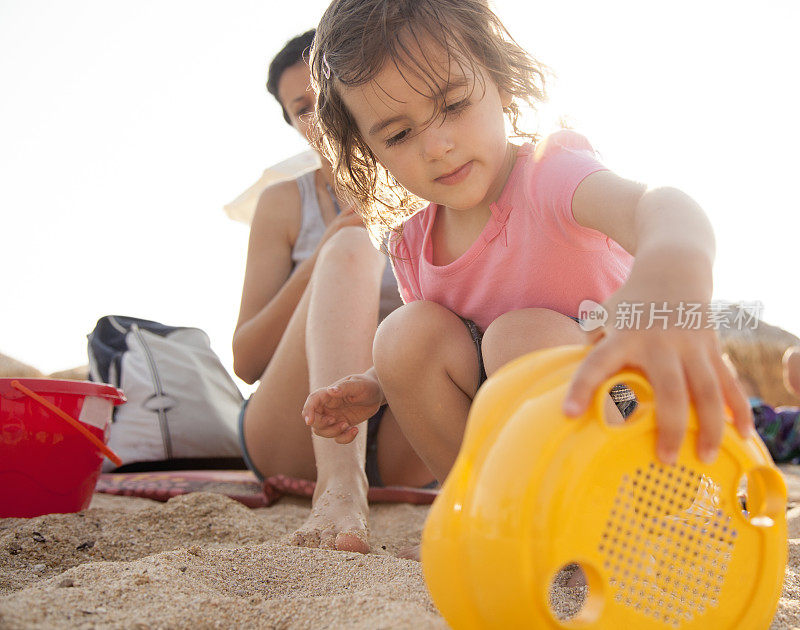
x,y
408,336
347,249
527,321
526,330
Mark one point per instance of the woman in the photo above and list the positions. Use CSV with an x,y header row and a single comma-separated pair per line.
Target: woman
x,y
314,290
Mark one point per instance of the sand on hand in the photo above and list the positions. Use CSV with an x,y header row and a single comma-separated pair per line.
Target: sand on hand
x,y
203,560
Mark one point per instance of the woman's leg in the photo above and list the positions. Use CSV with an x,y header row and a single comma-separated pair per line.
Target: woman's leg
x,y
342,318
321,344
275,436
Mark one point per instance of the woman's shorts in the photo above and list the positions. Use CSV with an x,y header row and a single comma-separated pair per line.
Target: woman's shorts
x,y
622,395
370,465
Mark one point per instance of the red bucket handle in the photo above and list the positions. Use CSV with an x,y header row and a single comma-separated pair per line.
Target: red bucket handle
x,y
65,416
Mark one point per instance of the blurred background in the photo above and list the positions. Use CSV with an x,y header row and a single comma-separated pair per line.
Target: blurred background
x,y
125,127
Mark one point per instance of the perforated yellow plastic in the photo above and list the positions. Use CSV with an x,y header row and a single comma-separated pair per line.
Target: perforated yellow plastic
x,y
661,546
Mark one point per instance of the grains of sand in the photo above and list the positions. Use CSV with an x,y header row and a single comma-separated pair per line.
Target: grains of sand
x,y
205,561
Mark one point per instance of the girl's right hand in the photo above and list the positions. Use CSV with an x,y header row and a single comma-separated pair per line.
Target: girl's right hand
x,y
334,411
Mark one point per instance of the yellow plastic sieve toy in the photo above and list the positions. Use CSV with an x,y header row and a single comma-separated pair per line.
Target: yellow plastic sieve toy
x,y
533,491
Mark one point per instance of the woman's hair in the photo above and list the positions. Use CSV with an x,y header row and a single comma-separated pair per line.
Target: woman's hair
x,y
356,38
295,51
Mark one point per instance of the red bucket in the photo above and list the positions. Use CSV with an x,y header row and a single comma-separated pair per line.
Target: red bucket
x,y
52,442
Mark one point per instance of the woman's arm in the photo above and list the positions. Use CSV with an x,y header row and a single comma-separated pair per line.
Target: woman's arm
x,y
269,293
271,290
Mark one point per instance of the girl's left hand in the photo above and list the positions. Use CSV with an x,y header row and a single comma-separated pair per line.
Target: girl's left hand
x,y
334,411
681,364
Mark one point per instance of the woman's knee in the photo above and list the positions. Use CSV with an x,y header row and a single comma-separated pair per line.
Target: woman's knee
x,y
348,249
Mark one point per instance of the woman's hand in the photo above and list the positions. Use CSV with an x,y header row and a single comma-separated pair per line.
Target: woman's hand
x,y
334,411
346,218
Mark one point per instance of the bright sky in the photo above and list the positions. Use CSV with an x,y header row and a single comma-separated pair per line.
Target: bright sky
x,y
126,126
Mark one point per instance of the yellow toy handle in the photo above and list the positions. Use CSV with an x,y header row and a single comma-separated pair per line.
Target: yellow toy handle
x,y
636,381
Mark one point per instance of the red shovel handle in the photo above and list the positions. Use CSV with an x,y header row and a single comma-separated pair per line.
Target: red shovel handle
x,y
77,425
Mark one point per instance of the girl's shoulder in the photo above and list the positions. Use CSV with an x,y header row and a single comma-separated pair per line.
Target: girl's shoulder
x,y
555,165
409,240
551,161
559,141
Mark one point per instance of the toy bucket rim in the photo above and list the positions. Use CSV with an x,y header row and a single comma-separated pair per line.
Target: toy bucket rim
x,y
46,386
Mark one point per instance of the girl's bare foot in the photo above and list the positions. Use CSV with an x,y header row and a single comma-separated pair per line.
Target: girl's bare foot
x,y
409,553
338,518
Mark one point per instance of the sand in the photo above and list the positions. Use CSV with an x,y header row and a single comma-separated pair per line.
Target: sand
x,y
204,561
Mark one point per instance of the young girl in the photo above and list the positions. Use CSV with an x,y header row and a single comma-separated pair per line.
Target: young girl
x,y
312,297
411,97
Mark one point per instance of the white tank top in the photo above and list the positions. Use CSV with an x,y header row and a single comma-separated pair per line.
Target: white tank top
x,y
312,227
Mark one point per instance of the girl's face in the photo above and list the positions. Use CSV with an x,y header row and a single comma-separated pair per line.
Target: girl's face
x,y
297,96
461,160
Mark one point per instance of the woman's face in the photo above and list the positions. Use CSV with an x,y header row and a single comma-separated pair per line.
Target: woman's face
x,y
297,96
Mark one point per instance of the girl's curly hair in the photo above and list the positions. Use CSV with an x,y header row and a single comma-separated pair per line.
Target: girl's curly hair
x,y
356,38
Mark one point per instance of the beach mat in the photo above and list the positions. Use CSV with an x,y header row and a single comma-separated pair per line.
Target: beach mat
x,y
241,485
162,485
387,494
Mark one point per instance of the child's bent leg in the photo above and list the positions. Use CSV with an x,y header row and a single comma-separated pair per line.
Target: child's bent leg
x,y
428,367
398,462
517,333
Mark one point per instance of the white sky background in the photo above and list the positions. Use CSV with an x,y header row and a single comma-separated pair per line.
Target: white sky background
x,y
126,126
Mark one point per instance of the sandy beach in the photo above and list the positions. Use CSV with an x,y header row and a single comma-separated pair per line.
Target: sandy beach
x,y
202,560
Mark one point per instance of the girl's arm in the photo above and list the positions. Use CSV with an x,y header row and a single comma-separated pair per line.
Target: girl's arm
x,y
673,245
